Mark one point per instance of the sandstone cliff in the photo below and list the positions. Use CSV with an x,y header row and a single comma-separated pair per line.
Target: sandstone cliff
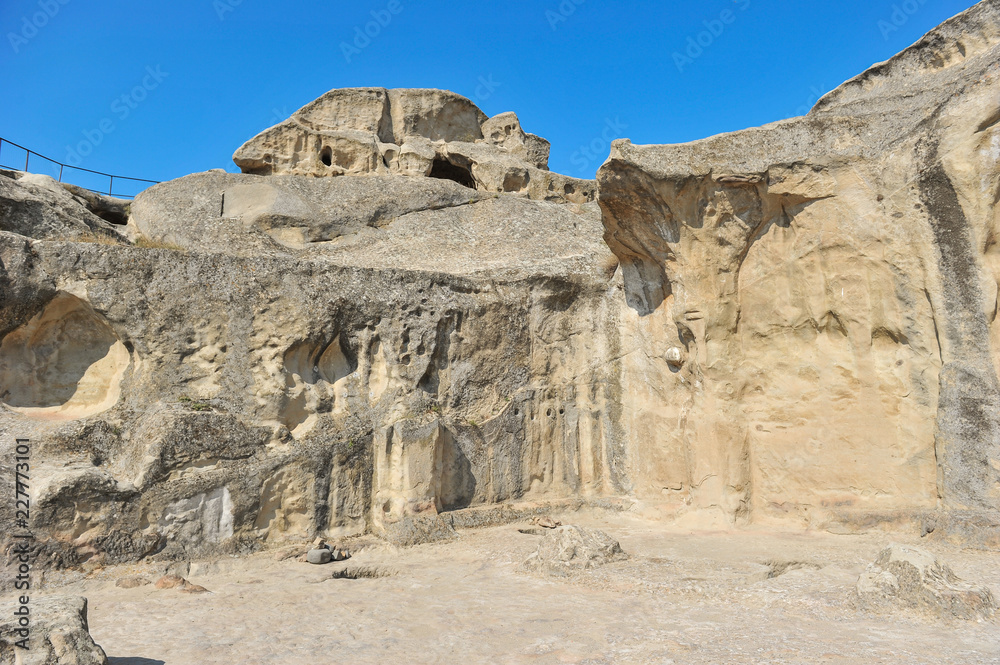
x,y
825,291
397,319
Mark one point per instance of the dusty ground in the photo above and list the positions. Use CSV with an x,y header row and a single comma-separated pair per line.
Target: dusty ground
x,y
681,598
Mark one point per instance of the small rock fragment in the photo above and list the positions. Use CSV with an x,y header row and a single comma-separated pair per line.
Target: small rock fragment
x,y
546,522
170,582
179,583
132,582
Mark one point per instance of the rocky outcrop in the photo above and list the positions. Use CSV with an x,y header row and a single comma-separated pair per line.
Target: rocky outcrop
x,y
822,293
802,327
58,633
273,358
411,132
65,363
567,549
36,206
912,578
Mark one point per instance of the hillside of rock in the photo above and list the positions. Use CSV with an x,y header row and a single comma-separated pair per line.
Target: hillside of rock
x,y
254,359
396,320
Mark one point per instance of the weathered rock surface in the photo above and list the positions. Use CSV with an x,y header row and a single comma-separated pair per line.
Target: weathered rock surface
x,y
319,556
283,357
131,582
411,132
180,584
822,294
59,634
37,206
803,326
565,549
913,578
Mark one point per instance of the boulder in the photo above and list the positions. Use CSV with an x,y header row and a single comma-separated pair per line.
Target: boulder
x,y
504,130
905,577
571,548
59,633
319,556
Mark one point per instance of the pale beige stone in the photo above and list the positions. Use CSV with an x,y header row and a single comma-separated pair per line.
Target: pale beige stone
x,y
59,633
65,363
410,132
822,295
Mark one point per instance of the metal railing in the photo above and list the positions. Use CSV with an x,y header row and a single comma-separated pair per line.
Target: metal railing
x,y
111,178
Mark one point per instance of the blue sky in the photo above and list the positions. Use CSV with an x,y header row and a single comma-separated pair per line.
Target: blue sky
x,y
160,90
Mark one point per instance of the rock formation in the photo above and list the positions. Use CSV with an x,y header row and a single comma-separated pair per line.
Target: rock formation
x,y
396,320
824,292
254,359
410,132
912,578
59,634
572,548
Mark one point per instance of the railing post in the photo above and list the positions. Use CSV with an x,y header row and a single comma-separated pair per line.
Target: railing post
x,y
60,172
27,155
111,187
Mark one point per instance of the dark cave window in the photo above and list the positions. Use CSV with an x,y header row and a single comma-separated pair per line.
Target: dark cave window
x,y
445,170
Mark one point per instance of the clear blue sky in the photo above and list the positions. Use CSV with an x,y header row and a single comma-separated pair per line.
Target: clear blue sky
x,y
160,90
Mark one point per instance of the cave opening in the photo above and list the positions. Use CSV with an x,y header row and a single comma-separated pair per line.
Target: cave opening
x,y
445,170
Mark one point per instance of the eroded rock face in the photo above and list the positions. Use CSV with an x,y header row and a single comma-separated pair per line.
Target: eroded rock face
x,y
317,357
37,206
65,363
412,132
802,327
59,634
823,291
904,577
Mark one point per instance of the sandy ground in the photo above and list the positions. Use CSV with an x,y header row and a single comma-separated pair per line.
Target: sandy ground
x,y
682,597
